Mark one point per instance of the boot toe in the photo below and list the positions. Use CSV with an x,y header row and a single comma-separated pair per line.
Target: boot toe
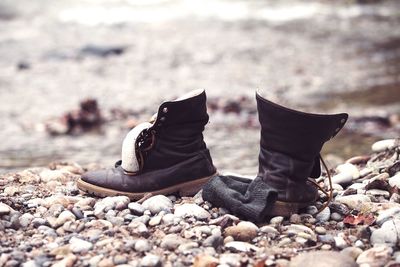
x,y
97,178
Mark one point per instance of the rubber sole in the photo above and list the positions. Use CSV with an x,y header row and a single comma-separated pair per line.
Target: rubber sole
x,y
184,189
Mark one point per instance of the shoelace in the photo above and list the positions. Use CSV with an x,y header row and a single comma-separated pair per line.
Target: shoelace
x,y
330,194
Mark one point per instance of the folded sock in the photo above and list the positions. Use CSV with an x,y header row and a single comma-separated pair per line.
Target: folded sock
x,y
247,198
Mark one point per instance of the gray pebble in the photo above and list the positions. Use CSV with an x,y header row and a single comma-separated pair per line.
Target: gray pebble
x,y
136,208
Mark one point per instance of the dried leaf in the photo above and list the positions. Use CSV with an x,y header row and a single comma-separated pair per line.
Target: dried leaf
x,y
365,219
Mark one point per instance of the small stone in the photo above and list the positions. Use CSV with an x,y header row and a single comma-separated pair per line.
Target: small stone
x,y
336,217
214,241
295,218
388,214
270,231
171,241
322,259
25,219
347,172
320,230
238,246
68,261
324,215
156,220
375,257
158,203
204,260
276,220
356,202
388,234
4,209
77,212
230,259
150,261
353,252
142,245
120,259
64,217
189,209
340,243
243,231
105,263
395,181
384,145
136,208
78,245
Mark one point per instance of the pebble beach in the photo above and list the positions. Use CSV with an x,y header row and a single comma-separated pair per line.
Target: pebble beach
x,y
46,221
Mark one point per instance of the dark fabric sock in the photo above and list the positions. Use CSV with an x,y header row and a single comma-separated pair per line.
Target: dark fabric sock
x,y
246,198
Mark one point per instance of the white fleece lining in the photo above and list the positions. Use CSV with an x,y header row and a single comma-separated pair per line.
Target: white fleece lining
x,y
130,162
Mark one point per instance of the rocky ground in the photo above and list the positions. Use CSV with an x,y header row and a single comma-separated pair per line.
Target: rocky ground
x,y
46,221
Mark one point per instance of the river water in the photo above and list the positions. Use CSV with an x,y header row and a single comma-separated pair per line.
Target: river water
x,y
315,55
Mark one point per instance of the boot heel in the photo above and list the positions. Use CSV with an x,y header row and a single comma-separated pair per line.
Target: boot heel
x,y
191,189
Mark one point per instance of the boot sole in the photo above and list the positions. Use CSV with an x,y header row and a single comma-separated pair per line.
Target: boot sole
x,y
286,209
184,189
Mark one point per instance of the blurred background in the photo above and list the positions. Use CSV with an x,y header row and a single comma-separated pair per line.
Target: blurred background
x,y
76,75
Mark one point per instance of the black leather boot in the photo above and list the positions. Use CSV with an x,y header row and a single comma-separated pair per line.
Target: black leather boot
x,y
163,157
289,155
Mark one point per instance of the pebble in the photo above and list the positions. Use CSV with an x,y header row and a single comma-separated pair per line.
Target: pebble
x,y
119,259
78,245
243,231
136,208
353,252
150,261
388,234
171,241
375,257
64,217
383,145
158,203
270,231
68,261
142,245
26,219
347,172
395,181
295,218
239,246
276,220
320,230
324,215
336,216
340,243
356,202
4,209
322,259
189,209
214,241
385,215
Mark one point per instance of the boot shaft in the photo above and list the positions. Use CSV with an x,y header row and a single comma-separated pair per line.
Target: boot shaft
x,y
178,131
293,137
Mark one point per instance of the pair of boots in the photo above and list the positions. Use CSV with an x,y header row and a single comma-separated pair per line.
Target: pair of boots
x,y
168,155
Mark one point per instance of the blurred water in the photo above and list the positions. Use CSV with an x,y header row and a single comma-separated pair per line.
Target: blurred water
x,y
303,53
